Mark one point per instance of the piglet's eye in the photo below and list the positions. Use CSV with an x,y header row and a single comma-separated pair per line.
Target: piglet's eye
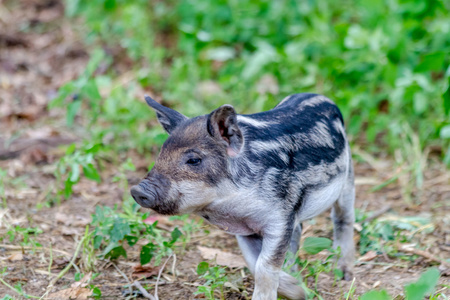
x,y
194,161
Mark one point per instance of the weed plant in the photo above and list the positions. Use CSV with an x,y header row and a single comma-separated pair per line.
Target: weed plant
x,y
215,279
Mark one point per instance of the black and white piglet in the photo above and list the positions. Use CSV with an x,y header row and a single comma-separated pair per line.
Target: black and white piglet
x,y
258,176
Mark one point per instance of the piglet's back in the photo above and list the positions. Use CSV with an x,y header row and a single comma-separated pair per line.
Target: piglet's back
x,y
302,130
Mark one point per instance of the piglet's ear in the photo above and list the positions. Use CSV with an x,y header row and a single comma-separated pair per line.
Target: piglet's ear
x,y
168,117
222,125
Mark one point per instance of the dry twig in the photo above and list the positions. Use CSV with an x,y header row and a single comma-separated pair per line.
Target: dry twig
x,y
12,247
377,213
143,291
159,276
425,254
124,276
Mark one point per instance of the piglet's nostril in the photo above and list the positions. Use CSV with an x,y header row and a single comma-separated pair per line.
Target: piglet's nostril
x,y
139,195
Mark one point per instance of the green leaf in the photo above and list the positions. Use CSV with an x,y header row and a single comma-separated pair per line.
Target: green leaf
x,y
202,268
220,53
110,4
147,253
109,248
95,148
420,101
376,295
425,285
70,149
78,276
68,188
128,165
91,173
176,233
99,215
97,241
71,8
96,293
313,245
74,173
338,273
444,133
64,91
202,290
96,57
431,62
72,110
447,157
256,62
132,240
446,99
386,231
116,253
90,90
18,287
119,230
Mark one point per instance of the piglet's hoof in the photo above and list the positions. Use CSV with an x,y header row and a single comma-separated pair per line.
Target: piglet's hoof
x,y
289,287
348,273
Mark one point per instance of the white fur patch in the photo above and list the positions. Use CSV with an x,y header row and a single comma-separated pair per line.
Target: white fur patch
x,y
253,122
284,100
321,199
259,146
192,195
314,101
339,127
320,136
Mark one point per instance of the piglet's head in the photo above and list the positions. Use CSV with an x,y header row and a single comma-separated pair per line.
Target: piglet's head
x,y
192,167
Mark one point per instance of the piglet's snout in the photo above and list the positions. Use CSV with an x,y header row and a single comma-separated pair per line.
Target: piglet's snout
x,y
152,192
144,196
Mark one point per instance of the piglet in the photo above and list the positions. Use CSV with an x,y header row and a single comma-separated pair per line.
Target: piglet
x,y
258,176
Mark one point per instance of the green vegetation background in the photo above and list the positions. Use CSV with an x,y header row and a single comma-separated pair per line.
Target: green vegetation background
x,y
385,63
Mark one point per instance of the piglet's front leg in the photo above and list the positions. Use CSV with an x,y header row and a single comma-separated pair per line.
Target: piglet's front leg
x,y
267,270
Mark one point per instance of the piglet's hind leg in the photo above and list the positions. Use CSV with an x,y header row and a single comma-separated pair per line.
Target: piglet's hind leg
x,y
343,218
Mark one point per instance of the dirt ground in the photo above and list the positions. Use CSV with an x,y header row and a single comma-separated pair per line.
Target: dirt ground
x,y
39,51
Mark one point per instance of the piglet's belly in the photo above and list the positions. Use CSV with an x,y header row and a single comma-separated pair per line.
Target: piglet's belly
x,y
230,225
